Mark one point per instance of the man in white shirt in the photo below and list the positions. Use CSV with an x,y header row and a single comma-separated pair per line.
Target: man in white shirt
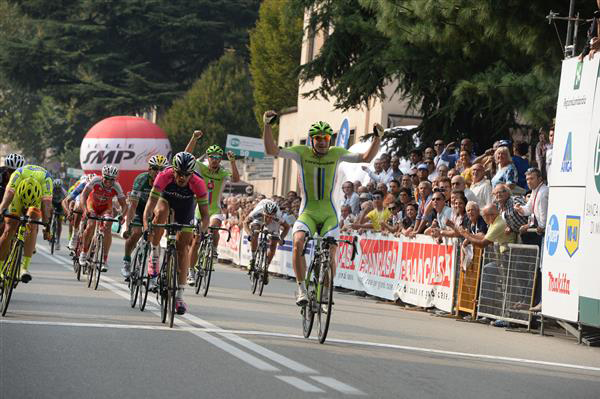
x,y
538,202
378,175
458,183
481,187
350,197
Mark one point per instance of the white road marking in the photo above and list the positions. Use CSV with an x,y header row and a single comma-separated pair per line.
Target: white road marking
x,y
337,385
219,343
300,384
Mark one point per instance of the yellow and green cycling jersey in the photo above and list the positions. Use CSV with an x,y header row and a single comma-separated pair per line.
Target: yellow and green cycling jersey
x,y
318,174
37,173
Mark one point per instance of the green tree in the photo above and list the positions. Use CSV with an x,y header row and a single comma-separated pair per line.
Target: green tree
x,y
472,68
121,56
275,46
219,103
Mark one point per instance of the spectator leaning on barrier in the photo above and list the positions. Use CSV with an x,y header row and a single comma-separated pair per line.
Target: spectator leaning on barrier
x,y
443,214
347,218
537,206
350,197
497,232
374,219
459,216
481,187
423,199
506,206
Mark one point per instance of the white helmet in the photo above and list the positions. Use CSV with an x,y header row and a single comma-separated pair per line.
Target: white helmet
x,y
271,208
110,172
14,161
184,162
89,178
57,183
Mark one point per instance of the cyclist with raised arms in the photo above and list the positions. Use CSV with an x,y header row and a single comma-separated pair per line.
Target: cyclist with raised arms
x,y
215,176
58,195
97,200
265,213
29,192
178,188
142,185
12,162
317,165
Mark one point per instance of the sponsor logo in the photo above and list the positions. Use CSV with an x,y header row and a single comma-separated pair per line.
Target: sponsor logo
x,y
552,235
578,71
572,232
235,142
379,258
567,163
560,284
426,264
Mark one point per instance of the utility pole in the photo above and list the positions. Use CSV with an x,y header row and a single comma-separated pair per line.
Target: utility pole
x,y
569,47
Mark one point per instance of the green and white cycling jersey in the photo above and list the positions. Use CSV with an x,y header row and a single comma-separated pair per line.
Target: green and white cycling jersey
x,y
142,185
215,183
318,174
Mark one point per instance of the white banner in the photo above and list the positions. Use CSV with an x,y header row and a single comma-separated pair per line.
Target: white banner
x,y
562,253
127,154
573,121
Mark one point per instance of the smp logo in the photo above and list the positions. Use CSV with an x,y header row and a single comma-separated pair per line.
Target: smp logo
x,y
567,163
107,157
552,235
572,230
578,75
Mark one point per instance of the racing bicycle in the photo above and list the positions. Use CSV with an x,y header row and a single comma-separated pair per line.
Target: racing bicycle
x,y
97,249
319,285
260,274
167,277
11,271
139,280
206,255
54,227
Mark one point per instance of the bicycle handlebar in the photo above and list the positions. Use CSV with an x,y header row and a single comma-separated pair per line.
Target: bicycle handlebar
x,y
331,240
213,228
25,219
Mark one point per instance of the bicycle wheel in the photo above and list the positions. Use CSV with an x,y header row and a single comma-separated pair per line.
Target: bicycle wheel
x,y
263,274
255,275
90,267
307,311
11,274
172,287
99,260
53,231
208,266
325,302
144,278
77,269
163,287
200,267
134,278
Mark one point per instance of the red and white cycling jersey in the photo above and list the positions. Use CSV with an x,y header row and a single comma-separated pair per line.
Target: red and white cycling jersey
x,y
100,196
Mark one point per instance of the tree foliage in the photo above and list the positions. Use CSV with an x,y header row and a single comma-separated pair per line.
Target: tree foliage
x,y
275,46
66,64
219,103
470,67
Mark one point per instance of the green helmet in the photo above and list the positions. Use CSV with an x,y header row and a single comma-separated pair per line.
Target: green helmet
x,y
320,128
214,150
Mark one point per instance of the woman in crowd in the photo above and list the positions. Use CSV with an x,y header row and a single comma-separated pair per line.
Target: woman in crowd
x,y
506,171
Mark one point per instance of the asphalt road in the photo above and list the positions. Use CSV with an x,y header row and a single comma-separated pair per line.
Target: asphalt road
x,y
61,339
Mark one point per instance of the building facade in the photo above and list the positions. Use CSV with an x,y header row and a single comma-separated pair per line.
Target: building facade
x,y
295,122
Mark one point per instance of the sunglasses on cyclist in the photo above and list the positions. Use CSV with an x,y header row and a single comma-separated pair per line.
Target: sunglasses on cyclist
x,y
218,157
324,137
156,168
183,174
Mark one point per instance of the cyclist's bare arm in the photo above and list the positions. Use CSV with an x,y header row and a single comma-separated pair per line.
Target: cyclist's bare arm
x,y
284,230
9,194
193,140
235,174
149,209
205,218
46,209
123,204
270,144
368,155
133,203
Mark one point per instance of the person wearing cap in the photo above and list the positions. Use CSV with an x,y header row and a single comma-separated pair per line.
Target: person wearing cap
x,y
422,172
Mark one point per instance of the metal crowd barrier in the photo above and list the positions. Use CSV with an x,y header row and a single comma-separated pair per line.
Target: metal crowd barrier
x,y
468,285
507,282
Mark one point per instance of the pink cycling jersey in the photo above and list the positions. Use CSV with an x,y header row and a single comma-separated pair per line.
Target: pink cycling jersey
x,y
100,196
165,186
